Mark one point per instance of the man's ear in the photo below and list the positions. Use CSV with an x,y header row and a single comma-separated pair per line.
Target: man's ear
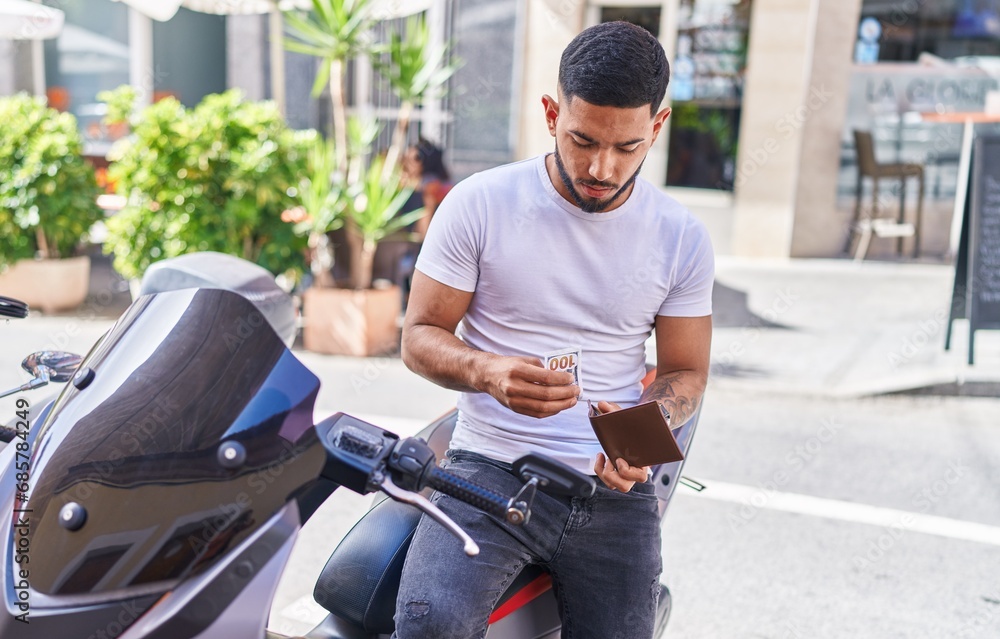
x,y
658,121
551,113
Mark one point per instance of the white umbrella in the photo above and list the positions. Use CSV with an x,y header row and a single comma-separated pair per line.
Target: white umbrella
x,y
243,7
383,9
84,51
22,20
161,10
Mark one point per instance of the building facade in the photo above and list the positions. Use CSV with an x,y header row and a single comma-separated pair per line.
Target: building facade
x,y
766,95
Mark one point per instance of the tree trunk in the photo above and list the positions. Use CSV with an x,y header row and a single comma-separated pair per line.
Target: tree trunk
x,y
367,262
43,245
339,113
398,145
321,260
359,278
362,257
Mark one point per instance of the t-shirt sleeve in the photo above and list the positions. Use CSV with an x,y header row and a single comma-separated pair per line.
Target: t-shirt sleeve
x,y
451,249
691,292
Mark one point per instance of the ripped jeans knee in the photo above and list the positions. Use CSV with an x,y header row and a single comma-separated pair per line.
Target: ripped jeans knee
x,y
416,609
422,619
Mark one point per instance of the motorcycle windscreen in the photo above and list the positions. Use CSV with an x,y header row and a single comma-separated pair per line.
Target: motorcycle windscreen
x,y
138,449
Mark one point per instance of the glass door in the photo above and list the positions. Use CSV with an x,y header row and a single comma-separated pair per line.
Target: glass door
x,y
706,89
647,17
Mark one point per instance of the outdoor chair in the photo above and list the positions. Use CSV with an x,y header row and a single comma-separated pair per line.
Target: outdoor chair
x,y
872,222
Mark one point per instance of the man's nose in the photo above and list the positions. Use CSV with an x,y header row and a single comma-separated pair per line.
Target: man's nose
x,y
601,165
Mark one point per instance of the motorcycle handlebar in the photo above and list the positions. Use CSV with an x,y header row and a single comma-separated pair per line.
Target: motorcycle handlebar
x,y
362,458
414,465
10,307
465,490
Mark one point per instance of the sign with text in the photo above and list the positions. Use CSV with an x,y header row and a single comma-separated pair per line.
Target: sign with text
x,y
976,292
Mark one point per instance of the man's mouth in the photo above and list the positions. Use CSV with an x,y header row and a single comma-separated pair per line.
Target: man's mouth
x,y
596,192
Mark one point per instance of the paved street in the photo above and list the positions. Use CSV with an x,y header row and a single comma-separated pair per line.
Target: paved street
x,y
842,500
765,559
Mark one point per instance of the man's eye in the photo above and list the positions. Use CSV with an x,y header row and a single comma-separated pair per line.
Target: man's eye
x,y
580,144
629,151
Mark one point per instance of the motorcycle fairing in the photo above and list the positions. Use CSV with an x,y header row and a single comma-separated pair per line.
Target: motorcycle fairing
x,y
138,448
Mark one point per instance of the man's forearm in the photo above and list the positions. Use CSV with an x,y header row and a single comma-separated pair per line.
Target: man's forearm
x,y
437,355
679,392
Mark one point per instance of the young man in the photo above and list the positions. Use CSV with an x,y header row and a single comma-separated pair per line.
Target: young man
x,y
570,248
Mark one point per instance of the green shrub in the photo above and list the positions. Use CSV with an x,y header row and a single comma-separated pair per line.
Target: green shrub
x,y
213,178
48,194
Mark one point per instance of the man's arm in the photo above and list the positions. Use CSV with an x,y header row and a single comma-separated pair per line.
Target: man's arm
x,y
431,349
683,350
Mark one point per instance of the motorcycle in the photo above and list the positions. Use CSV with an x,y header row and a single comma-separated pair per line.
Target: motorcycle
x,y
159,495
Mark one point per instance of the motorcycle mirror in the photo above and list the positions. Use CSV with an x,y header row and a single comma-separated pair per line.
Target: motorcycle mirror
x,y
52,366
10,307
554,477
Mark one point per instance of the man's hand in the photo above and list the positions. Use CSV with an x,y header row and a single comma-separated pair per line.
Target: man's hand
x,y
524,386
431,349
624,476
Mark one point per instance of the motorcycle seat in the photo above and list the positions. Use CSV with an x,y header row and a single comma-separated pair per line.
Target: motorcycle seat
x,y
360,581
218,270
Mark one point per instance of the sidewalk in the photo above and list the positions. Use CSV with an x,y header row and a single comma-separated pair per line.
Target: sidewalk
x,y
832,328
844,329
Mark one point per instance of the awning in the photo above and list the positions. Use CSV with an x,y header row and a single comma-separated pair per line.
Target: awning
x,y
163,10
83,51
241,7
22,20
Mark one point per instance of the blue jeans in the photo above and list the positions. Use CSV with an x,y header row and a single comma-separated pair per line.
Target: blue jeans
x,y
603,553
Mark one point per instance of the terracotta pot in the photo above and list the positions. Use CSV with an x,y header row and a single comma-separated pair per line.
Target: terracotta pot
x,y
362,323
48,285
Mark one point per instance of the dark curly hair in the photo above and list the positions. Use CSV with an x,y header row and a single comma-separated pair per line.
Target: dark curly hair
x,y
615,64
432,159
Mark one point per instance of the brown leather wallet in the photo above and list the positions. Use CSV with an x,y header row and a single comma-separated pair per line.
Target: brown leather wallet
x,y
640,435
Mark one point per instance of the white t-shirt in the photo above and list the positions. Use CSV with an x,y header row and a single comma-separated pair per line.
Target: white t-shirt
x,y
547,275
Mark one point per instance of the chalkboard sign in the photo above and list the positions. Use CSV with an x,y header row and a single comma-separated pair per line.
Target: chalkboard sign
x,y
976,292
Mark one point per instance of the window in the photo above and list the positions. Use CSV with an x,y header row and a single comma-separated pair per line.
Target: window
x,y
707,93
646,17
945,28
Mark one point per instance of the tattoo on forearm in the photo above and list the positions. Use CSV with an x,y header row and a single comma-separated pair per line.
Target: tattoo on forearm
x,y
667,389
681,409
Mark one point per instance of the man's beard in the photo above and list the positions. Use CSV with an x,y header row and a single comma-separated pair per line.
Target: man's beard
x,y
591,205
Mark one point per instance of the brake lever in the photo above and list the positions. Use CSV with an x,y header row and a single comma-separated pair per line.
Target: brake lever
x,y
37,382
386,485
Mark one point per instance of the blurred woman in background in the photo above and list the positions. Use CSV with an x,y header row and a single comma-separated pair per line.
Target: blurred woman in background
x,y
424,170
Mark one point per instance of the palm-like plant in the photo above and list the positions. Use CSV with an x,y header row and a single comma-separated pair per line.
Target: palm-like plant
x,y
335,31
417,70
338,31
320,194
373,204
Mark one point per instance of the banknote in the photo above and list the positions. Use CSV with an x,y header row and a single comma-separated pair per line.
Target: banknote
x,y
565,359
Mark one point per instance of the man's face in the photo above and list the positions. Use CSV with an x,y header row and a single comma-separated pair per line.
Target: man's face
x,y
599,150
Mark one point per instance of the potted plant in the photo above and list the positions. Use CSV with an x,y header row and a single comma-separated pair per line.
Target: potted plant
x,y
356,320
48,202
213,178
369,187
